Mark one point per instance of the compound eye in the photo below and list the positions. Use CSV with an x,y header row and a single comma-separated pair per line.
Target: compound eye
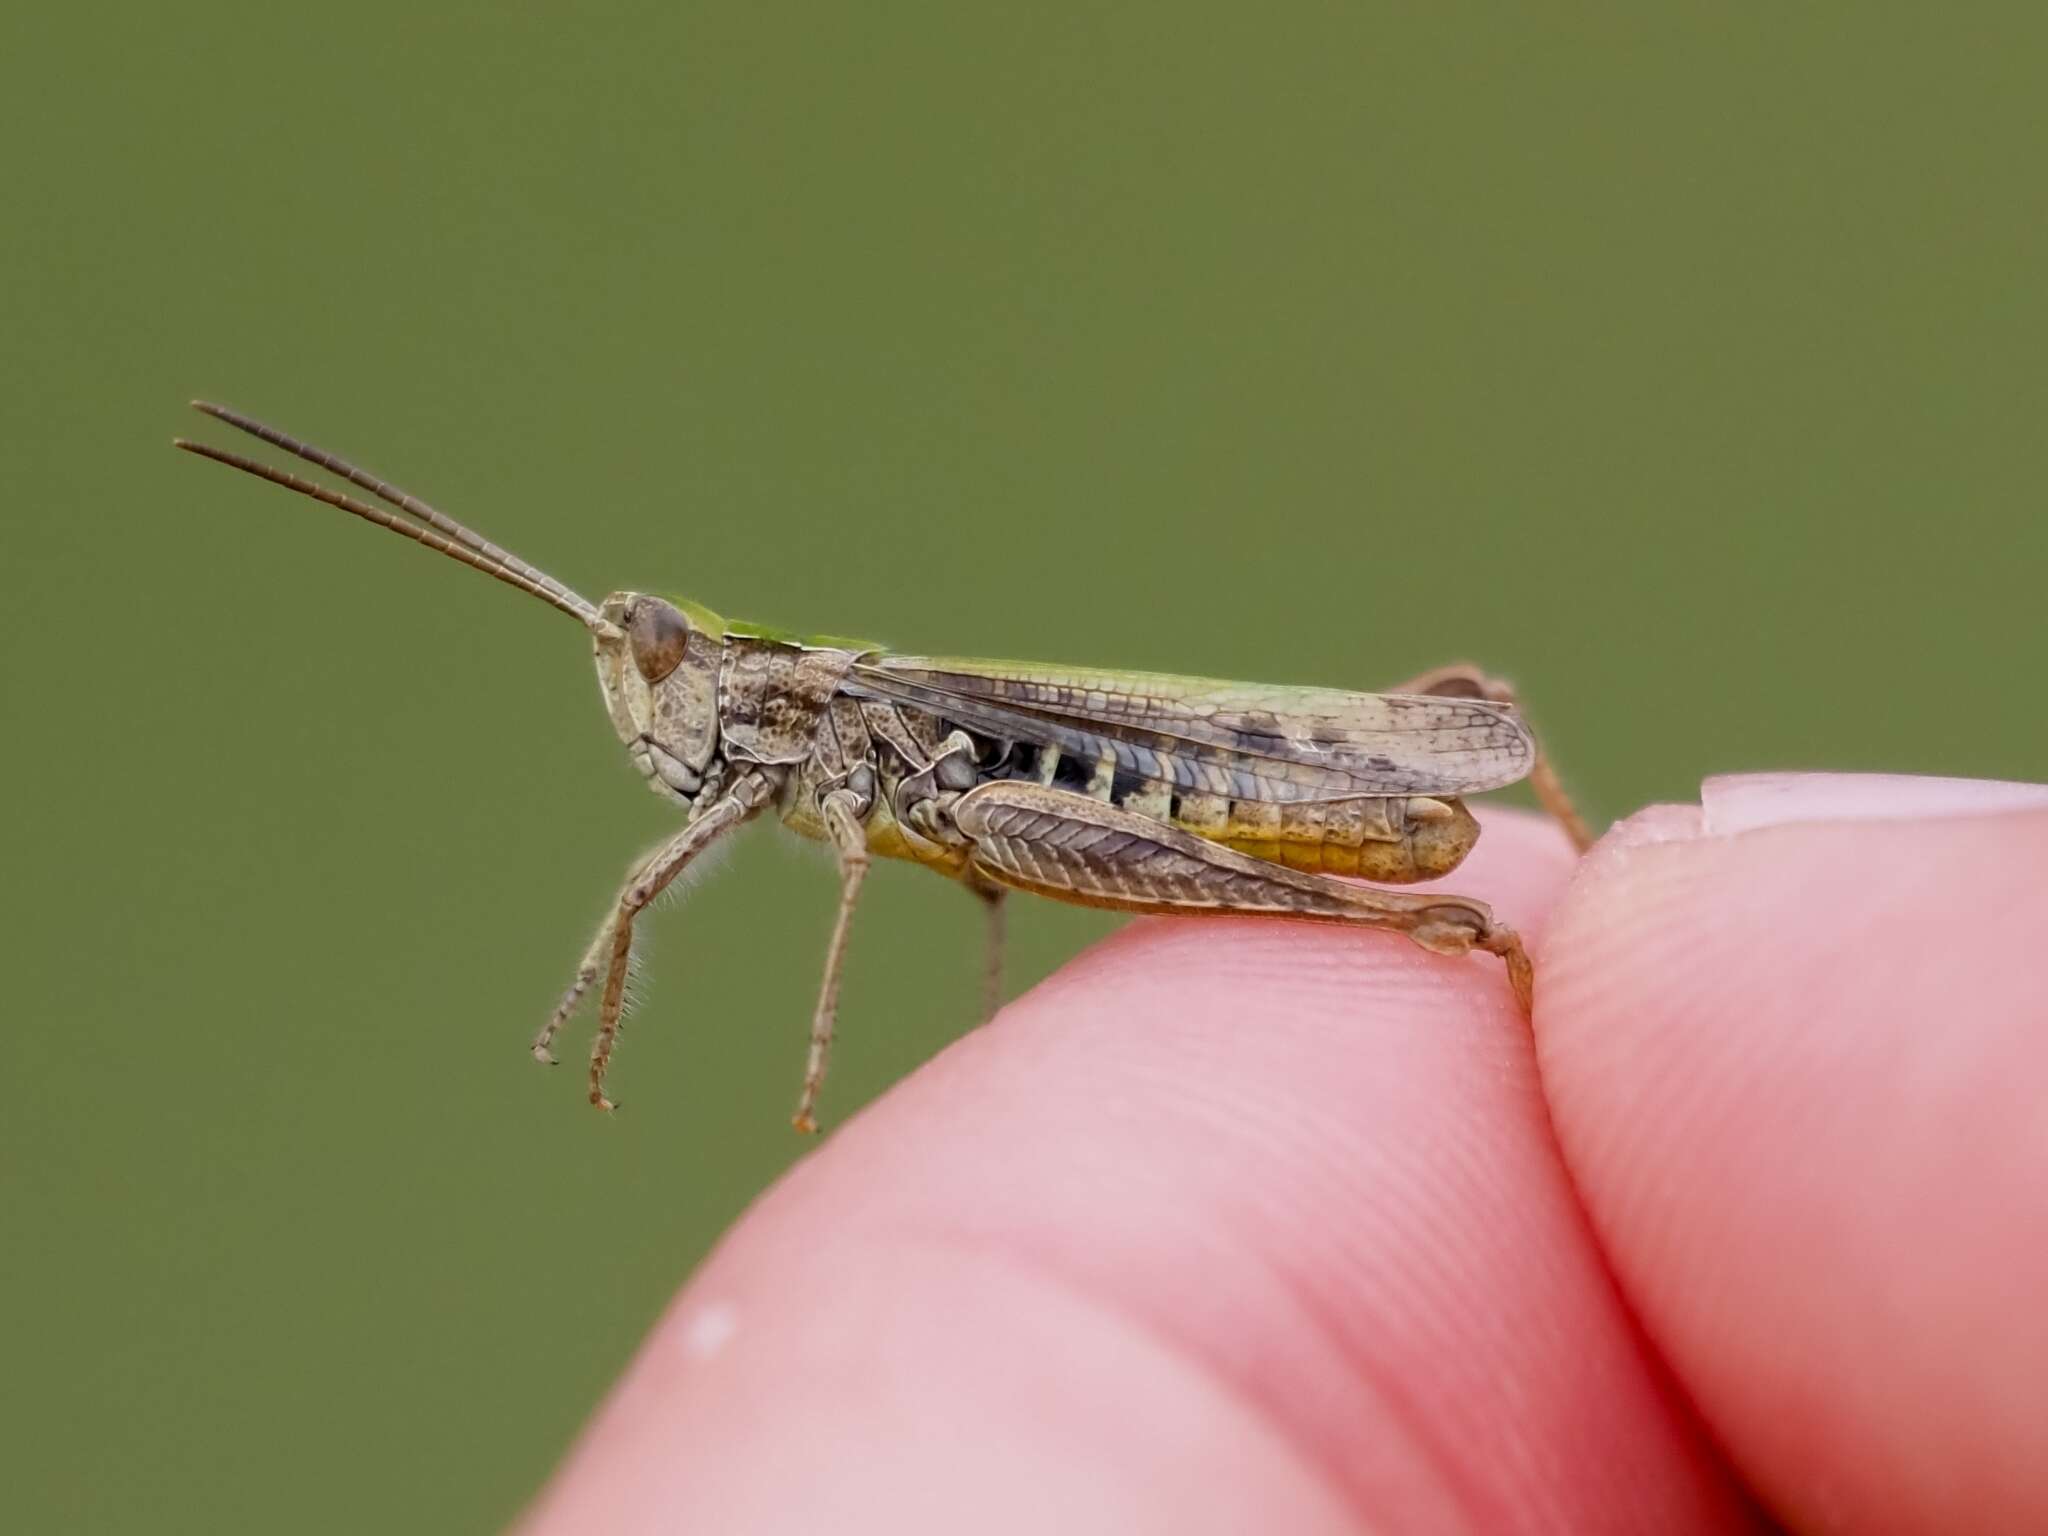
x,y
658,634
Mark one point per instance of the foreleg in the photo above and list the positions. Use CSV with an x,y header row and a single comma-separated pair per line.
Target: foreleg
x,y
612,949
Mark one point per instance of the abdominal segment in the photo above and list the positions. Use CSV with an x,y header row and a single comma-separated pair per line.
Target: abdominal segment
x,y
1394,839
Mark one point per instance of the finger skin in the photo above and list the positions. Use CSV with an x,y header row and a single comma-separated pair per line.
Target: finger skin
x,y
1231,1225
1800,1074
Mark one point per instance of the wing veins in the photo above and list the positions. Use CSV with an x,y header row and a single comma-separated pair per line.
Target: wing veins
x,y
1342,768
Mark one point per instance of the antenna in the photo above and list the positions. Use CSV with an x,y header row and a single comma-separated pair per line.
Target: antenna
x,y
441,532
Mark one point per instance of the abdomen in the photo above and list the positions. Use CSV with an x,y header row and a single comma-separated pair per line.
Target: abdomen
x,y
1373,839
1392,839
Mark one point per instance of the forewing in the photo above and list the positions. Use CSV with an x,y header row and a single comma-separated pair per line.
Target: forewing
x,y
1201,735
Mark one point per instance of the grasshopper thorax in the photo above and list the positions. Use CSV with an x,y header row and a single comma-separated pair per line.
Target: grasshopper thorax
x,y
657,664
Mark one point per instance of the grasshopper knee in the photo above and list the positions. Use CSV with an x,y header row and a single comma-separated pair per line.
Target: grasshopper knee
x,y
1451,929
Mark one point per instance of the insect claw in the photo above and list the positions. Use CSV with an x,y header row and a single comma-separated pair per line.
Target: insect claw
x,y
1504,942
804,1123
544,1056
602,1102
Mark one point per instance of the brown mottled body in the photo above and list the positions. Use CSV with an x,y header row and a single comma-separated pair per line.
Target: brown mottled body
x,y
1013,786
1140,792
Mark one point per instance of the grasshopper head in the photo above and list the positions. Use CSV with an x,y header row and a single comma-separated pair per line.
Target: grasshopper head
x,y
657,662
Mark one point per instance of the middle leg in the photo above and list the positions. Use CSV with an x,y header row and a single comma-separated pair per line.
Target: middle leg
x,y
840,809
992,962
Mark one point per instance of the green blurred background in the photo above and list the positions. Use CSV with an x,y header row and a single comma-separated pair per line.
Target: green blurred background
x,y
1687,367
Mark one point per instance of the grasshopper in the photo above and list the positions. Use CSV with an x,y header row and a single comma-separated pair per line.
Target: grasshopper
x,y
1134,791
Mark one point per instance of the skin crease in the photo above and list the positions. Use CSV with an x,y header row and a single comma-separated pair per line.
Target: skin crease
x,y
1240,1225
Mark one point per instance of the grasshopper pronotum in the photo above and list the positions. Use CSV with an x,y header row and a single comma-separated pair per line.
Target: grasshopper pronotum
x,y
1137,791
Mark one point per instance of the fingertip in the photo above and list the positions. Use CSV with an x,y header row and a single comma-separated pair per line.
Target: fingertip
x,y
1792,1041
1232,1222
